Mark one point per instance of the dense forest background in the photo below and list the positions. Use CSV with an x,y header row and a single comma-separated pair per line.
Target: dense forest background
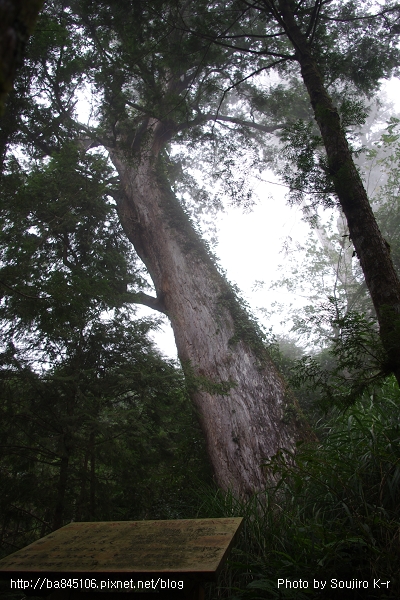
x,y
188,107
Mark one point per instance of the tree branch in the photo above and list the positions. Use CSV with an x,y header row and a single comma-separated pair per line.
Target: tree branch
x,y
22,294
362,18
30,514
237,83
150,301
250,124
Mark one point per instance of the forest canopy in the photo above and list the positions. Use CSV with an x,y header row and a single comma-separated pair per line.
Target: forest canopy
x,y
189,104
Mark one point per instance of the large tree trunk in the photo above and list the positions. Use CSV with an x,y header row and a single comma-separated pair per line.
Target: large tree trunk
x,y
244,408
372,249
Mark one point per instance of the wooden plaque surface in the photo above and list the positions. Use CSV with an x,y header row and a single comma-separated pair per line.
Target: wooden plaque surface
x,y
189,546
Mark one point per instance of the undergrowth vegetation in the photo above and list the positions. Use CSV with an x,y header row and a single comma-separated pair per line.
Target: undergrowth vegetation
x,y
333,512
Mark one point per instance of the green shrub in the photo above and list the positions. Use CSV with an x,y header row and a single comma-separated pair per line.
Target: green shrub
x,y
333,511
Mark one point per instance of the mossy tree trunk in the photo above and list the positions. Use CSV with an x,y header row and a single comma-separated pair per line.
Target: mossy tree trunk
x,y
242,402
372,249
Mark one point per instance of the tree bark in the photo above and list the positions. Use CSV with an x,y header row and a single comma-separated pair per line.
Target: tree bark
x,y
244,408
61,490
372,249
81,509
92,492
66,448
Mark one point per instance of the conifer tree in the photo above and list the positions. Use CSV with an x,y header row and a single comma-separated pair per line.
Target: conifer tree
x,y
155,84
345,47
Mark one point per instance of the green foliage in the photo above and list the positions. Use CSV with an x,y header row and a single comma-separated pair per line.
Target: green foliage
x,y
40,113
352,112
84,396
385,156
120,416
195,382
306,170
64,258
94,424
344,354
367,51
17,23
332,511
353,362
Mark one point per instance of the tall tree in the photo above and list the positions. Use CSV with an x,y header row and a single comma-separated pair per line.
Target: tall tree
x,y
308,33
154,84
157,85
105,433
372,249
84,396
339,317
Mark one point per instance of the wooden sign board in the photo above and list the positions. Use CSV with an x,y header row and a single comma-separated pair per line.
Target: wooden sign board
x,y
193,547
